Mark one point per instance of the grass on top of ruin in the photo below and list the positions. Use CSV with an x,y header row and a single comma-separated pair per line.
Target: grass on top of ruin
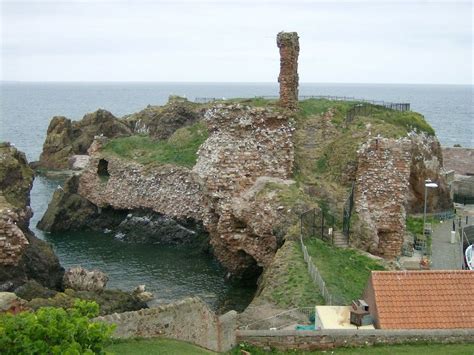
x,y
345,271
408,120
179,149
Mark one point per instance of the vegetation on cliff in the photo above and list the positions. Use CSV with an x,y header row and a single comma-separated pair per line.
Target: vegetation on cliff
x,y
179,149
286,283
345,271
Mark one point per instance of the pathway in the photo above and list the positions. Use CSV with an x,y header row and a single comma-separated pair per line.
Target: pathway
x,y
446,256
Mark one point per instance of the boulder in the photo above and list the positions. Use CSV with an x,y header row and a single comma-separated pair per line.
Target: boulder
x,y
10,303
80,279
32,289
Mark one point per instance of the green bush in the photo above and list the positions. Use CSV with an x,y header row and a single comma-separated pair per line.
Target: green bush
x,y
52,330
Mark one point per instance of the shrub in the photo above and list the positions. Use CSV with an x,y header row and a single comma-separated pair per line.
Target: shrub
x,y
52,330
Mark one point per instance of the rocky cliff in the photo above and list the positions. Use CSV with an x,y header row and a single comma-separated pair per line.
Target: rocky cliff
x,y
216,195
66,138
22,256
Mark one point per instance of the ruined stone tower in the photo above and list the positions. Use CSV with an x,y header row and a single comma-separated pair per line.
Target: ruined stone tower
x,y
288,78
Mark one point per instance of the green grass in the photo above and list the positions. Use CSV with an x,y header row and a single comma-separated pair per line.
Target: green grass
x,y
179,149
406,349
155,346
345,271
296,289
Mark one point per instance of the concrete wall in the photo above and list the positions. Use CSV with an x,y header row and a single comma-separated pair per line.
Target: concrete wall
x,y
327,339
189,320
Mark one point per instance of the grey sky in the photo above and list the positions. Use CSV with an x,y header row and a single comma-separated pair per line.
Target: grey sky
x,y
341,41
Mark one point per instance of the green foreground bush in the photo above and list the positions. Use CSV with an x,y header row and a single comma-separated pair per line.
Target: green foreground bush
x,y
52,330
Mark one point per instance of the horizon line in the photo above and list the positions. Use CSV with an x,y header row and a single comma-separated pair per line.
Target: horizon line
x,y
218,82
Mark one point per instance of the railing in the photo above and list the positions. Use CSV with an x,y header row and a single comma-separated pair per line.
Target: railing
x,y
315,275
283,320
397,106
465,200
317,223
347,212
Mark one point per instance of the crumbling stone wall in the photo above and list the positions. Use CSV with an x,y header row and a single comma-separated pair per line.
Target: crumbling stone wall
x,y
382,186
244,144
189,320
165,189
288,78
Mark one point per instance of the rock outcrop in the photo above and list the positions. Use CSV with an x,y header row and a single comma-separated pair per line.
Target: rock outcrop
x,y
160,122
22,255
66,138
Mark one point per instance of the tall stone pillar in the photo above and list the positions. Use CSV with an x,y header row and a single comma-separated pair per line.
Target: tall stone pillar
x,y
288,78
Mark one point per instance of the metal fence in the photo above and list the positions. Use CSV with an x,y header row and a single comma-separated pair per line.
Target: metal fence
x,y
317,223
462,199
347,212
398,106
315,275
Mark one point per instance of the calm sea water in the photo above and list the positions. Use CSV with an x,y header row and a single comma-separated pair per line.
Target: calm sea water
x,y
27,108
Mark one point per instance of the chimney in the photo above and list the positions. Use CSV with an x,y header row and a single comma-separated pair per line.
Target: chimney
x,y
288,78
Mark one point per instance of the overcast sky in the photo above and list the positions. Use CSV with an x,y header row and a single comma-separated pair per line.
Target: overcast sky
x,y
227,41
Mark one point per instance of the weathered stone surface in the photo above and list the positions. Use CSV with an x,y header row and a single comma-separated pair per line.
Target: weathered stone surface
x,y
78,162
288,78
68,210
80,279
244,144
22,255
160,122
382,188
16,178
66,138
390,183
171,190
152,227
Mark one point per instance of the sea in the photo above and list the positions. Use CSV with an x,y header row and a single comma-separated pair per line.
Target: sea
x,y
172,273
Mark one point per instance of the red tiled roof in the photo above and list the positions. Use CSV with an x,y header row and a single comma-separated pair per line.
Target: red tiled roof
x,y
424,299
